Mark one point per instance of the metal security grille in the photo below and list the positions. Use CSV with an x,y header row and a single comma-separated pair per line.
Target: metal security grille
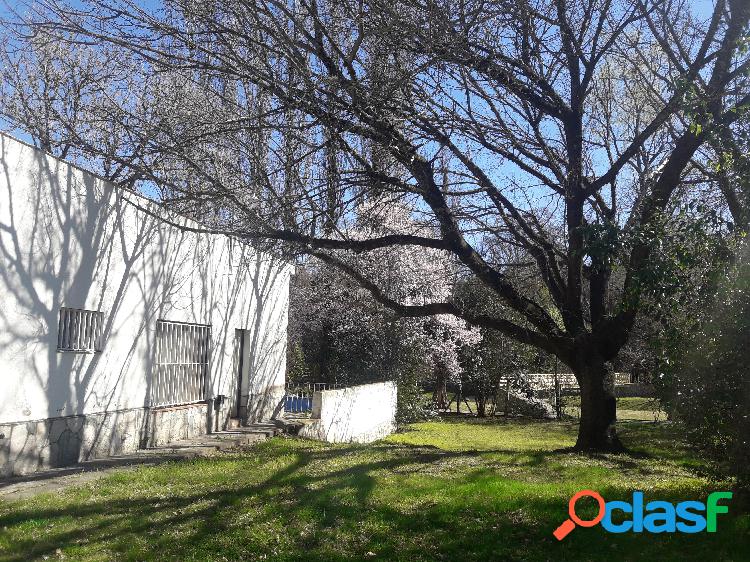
x,y
183,352
80,330
298,399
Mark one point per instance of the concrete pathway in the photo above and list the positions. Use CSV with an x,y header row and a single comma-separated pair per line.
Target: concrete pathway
x,y
18,487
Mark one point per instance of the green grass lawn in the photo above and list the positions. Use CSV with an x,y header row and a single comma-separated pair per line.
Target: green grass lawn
x,y
628,408
444,490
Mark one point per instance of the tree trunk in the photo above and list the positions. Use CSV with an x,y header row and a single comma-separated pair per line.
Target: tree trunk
x,y
596,431
440,394
481,401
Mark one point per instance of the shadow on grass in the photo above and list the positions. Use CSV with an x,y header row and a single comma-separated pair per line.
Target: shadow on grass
x,y
326,504
312,502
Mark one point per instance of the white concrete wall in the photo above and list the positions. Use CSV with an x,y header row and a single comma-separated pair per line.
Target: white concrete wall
x,y
70,239
358,414
567,381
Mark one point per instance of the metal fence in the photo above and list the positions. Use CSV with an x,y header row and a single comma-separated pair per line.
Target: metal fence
x,y
298,398
183,353
558,393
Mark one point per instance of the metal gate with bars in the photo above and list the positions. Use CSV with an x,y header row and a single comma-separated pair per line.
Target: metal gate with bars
x,y
298,398
183,353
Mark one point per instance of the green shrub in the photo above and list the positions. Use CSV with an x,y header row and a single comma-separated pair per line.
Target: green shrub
x,y
413,404
709,380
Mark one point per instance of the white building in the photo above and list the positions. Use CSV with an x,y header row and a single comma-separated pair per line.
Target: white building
x,y
119,330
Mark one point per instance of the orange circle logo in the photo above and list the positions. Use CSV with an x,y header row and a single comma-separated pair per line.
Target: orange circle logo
x,y
572,508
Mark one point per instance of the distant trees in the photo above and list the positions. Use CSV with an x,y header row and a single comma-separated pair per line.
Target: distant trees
x,y
493,365
344,336
728,164
339,334
347,337
70,99
562,134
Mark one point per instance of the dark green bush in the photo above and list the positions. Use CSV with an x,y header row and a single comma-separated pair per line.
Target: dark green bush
x,y
709,379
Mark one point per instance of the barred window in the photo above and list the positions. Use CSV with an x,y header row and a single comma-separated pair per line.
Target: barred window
x,y
80,330
183,353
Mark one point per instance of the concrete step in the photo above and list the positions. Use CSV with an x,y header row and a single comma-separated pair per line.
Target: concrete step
x,y
234,438
200,446
291,425
269,429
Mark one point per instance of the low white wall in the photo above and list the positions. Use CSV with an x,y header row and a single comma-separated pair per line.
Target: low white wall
x,y
357,414
567,381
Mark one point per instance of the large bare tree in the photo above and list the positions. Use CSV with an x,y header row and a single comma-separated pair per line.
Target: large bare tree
x,y
559,132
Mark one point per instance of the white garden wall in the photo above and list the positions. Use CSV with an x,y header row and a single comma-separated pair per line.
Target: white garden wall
x,y
70,239
359,414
